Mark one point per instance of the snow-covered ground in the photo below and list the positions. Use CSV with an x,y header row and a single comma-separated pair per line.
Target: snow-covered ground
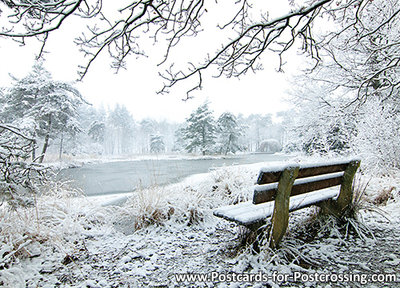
x,y
162,232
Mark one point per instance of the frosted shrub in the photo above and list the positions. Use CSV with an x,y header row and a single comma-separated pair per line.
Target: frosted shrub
x,y
156,205
232,184
150,206
19,178
377,139
193,200
318,125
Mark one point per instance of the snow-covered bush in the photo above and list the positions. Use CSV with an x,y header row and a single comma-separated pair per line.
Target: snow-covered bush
x,y
19,178
270,146
370,131
315,127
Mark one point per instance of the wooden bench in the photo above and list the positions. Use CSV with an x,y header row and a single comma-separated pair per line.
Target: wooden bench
x,y
280,190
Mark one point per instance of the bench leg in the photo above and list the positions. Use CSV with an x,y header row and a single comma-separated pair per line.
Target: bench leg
x,y
280,217
338,207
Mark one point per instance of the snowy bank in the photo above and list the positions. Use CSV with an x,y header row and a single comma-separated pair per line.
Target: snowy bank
x,y
162,232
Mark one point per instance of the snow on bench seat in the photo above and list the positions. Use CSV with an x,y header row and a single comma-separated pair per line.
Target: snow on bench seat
x,y
247,213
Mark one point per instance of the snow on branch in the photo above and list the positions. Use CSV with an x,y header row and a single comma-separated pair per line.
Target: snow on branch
x,y
27,19
120,33
363,51
124,31
243,52
18,176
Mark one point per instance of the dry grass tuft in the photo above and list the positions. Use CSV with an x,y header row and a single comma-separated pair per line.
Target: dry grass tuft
x,y
384,196
157,205
189,202
350,223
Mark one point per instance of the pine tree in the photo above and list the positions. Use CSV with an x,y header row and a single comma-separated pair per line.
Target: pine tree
x,y
97,131
157,144
229,132
200,131
43,106
179,142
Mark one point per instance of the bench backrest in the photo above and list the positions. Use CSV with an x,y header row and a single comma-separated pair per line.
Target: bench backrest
x,y
310,178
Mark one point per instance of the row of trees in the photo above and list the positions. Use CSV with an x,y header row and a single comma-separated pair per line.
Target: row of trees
x,y
116,132
58,120
202,133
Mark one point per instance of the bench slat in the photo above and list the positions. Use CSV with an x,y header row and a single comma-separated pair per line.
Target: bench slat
x,y
265,193
247,213
320,182
271,175
315,171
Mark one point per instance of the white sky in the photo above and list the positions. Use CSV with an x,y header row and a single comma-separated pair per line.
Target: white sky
x,y
135,87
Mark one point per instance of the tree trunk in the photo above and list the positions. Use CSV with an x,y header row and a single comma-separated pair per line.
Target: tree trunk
x,y
61,146
203,148
229,144
34,151
46,141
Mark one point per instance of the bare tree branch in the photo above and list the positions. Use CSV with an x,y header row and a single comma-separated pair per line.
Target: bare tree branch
x,y
123,32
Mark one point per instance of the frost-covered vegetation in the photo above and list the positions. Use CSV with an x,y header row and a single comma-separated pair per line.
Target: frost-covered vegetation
x,y
116,132
162,231
19,178
348,103
42,107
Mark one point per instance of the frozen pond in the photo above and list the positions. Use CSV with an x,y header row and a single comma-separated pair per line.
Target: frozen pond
x,y
127,176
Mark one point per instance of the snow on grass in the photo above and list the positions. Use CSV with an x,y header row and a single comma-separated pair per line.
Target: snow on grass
x,y
55,222
161,231
192,200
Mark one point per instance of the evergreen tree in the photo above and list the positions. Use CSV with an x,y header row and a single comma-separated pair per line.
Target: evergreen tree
x,y
157,144
180,142
229,132
200,131
43,106
97,131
